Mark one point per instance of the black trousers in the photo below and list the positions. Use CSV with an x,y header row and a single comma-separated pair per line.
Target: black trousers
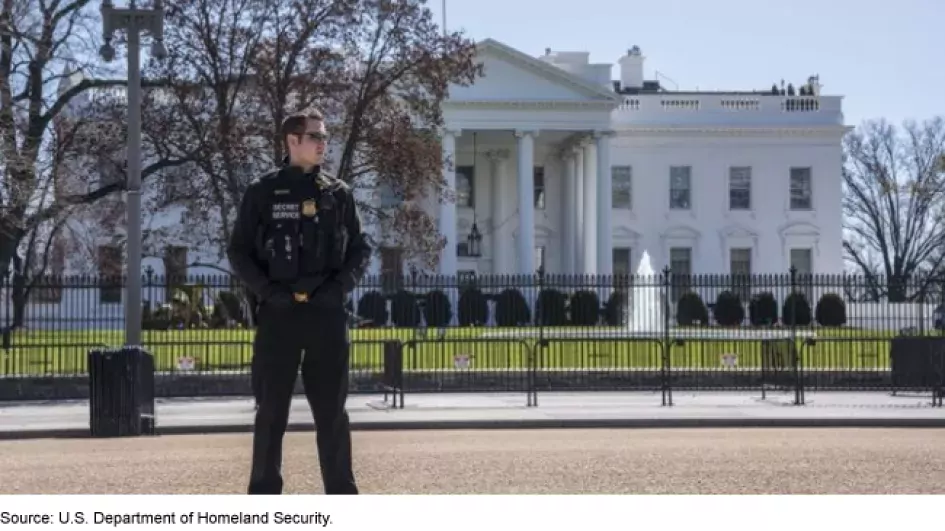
x,y
317,340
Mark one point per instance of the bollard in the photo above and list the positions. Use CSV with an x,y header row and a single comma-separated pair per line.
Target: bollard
x,y
394,371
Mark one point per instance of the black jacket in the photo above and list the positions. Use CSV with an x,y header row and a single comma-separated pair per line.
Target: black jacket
x,y
243,249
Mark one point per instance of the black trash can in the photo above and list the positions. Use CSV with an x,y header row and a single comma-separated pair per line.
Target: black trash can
x,y
121,392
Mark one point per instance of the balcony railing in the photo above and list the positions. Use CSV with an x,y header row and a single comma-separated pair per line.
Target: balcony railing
x,y
706,109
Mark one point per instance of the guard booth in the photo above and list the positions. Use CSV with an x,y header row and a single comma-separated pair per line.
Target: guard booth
x,y
121,392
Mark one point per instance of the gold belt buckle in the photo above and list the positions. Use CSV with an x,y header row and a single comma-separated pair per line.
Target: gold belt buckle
x,y
301,297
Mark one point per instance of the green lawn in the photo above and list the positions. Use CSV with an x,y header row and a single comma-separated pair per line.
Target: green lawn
x,y
58,352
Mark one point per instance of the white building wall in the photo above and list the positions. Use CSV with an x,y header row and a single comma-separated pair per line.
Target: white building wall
x,y
653,131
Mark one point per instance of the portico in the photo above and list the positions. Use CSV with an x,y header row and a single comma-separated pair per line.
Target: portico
x,y
527,151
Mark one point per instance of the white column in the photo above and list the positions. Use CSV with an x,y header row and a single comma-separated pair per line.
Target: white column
x,y
447,219
590,209
605,231
568,213
526,202
578,202
498,226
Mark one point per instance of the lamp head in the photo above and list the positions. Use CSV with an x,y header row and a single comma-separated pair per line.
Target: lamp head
x,y
107,51
158,51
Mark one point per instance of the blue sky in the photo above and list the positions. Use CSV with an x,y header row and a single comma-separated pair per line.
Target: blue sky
x,y
880,55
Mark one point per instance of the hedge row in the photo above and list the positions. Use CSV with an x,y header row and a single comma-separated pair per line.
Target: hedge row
x,y
729,310
583,308
553,308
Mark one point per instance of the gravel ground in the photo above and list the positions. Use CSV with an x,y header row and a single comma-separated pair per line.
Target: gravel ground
x,y
699,461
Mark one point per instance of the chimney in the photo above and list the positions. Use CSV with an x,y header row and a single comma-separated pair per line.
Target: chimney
x,y
631,68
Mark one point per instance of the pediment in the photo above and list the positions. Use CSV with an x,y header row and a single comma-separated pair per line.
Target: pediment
x,y
800,228
681,232
543,231
626,233
510,75
737,231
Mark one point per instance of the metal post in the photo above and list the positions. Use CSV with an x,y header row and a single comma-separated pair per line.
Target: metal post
x,y
134,21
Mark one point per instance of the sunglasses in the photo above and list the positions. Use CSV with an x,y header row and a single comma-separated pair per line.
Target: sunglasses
x,y
315,136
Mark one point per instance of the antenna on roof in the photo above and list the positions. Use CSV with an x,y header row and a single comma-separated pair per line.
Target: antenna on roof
x,y
667,78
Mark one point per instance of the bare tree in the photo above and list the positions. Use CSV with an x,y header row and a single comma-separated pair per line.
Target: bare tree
x,y
894,206
50,78
379,70
212,44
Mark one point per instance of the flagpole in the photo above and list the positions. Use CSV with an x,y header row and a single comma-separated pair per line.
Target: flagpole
x,y
444,18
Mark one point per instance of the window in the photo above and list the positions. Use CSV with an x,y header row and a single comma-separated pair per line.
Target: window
x,y
621,187
109,269
680,263
739,188
173,183
801,189
680,187
175,269
621,259
623,267
803,260
740,270
539,187
389,197
392,269
540,258
47,289
465,186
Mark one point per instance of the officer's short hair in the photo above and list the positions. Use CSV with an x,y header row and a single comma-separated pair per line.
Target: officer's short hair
x,y
294,124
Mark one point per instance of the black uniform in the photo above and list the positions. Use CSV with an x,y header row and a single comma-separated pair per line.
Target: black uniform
x,y
299,248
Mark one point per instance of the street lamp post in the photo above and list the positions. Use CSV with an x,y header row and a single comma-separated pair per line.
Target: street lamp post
x,y
134,21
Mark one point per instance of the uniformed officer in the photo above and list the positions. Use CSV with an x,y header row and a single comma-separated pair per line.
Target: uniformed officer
x,y
299,247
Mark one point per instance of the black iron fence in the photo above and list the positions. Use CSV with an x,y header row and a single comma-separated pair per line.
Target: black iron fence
x,y
518,333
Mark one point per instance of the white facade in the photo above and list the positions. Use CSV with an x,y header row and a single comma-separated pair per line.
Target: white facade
x,y
586,163
583,160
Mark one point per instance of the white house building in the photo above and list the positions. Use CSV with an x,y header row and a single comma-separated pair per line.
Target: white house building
x,y
563,167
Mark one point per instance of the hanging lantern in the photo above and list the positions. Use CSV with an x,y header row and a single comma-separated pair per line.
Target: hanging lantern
x,y
474,240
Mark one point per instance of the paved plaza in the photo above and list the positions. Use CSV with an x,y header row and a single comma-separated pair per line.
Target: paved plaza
x,y
696,461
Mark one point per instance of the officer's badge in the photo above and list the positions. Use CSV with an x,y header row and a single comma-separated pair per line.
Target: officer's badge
x,y
308,208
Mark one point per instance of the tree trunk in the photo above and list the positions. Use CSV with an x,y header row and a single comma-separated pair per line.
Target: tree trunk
x,y
19,297
10,238
896,289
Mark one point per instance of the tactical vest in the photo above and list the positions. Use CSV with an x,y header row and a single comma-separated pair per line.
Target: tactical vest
x,y
303,230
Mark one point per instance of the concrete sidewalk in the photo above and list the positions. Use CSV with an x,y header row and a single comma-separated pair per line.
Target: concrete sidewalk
x,y
508,410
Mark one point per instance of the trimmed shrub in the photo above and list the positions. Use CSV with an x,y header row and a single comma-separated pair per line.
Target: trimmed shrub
x,y
473,307
405,311
511,308
803,316
690,310
436,309
728,310
585,308
763,309
552,308
229,306
372,306
615,309
831,310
